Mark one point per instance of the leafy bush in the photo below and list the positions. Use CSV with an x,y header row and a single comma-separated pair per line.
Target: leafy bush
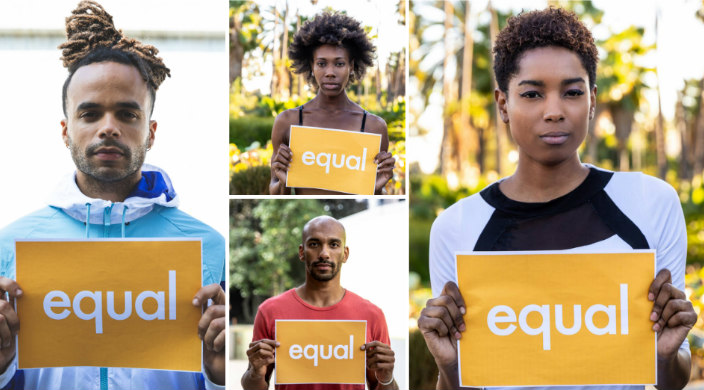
x,y
251,181
247,129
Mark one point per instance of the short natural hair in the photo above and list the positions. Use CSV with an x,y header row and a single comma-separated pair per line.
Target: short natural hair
x,y
92,37
548,27
331,29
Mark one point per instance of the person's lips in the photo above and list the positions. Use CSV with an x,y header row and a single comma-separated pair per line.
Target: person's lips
x,y
323,265
331,86
109,153
555,137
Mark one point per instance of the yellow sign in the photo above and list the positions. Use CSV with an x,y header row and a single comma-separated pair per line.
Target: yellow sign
x,y
335,160
320,351
538,319
109,303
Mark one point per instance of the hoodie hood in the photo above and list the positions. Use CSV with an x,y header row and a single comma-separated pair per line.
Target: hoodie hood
x,y
155,188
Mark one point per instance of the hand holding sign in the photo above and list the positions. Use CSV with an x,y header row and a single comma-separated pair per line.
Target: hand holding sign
x,y
279,167
385,170
673,314
380,360
441,322
211,329
9,323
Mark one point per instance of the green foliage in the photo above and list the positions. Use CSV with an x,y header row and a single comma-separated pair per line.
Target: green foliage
x,y
264,239
422,368
395,119
251,181
247,129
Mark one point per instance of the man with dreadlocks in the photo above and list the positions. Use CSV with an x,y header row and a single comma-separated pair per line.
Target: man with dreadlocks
x,y
331,51
108,98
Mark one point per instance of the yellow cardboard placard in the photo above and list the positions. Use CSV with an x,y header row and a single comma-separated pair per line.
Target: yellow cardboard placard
x,y
521,327
68,280
335,160
320,351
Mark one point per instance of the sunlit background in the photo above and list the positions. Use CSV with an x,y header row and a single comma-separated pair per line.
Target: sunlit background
x,y
649,117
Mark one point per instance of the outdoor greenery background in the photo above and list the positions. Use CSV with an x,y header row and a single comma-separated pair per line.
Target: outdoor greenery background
x,y
450,61
260,33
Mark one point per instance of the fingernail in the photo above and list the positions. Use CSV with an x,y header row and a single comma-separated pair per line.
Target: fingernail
x,y
653,316
278,344
656,327
362,347
458,335
18,292
462,328
463,311
195,301
651,296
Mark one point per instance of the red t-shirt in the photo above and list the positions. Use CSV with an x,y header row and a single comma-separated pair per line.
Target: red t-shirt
x,y
289,306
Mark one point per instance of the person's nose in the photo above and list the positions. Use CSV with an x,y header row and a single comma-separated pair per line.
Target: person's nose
x,y
330,71
324,252
553,111
109,127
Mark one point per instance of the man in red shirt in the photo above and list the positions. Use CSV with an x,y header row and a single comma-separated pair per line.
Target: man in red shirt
x,y
321,297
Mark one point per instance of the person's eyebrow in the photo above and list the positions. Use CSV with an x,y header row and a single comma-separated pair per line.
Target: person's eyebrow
x,y
90,105
536,83
130,104
87,106
573,80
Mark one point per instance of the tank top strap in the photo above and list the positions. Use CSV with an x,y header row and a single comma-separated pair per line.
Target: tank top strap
x,y
364,120
300,115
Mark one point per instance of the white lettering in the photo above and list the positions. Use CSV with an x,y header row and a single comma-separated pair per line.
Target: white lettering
x,y
59,299
97,310
493,318
610,311
544,327
314,356
308,158
325,164
354,167
295,351
49,303
576,324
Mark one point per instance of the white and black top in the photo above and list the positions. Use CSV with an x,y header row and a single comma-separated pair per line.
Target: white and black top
x,y
608,212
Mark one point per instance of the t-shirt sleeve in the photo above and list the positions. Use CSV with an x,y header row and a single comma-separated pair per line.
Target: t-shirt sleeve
x,y
671,250
441,258
261,327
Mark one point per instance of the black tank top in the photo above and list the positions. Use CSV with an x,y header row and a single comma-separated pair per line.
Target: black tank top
x,y
300,118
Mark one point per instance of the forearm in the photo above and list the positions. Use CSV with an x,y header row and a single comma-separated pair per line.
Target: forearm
x,y
674,373
449,379
277,187
252,381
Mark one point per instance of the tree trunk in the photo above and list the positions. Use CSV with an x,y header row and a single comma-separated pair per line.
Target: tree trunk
x,y
236,49
659,125
448,151
500,125
681,126
284,76
699,134
465,137
275,52
623,121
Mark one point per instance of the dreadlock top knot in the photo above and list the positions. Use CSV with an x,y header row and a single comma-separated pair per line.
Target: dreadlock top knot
x,y
90,27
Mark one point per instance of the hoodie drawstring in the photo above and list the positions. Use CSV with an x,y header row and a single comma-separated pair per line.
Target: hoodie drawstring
x,y
87,219
124,211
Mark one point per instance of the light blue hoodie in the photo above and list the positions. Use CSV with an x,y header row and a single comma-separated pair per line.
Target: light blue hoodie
x,y
150,211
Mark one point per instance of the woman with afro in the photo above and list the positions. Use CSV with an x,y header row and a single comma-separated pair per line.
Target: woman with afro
x,y
545,66
331,51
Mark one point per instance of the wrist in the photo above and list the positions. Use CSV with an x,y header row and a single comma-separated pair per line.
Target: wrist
x,y
382,381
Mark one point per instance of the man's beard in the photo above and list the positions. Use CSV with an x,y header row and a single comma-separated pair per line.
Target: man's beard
x,y
324,278
134,158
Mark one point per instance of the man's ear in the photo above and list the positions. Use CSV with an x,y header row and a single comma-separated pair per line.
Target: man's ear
x,y
347,254
64,131
152,133
300,253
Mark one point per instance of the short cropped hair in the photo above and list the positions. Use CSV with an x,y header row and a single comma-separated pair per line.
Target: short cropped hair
x,y
331,29
544,28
